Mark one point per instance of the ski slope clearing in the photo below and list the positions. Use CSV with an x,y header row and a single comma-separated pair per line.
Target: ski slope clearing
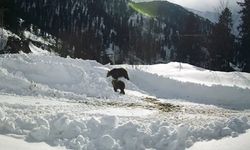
x,y
70,103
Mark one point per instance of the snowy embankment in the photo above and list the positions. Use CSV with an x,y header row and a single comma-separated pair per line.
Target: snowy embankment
x,y
70,102
183,81
77,79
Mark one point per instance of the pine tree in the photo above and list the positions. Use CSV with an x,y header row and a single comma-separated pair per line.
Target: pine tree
x,y
245,35
222,42
188,49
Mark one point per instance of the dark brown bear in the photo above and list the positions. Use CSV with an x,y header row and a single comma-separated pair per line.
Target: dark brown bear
x,y
117,73
117,84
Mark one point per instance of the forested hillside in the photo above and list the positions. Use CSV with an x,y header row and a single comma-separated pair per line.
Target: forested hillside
x,y
121,31
112,30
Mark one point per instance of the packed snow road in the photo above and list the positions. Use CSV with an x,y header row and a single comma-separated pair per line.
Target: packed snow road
x,y
70,103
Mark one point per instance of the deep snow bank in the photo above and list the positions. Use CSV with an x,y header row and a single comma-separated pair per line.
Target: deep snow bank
x,y
53,76
188,73
184,81
163,87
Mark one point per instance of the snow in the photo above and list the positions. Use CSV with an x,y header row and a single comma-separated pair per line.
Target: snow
x,y
240,143
11,143
37,51
70,103
188,73
4,34
3,38
209,5
29,35
50,75
199,85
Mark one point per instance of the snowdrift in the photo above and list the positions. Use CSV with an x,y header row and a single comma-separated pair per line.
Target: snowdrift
x,y
217,94
53,76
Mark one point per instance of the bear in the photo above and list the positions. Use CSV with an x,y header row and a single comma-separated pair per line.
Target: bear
x,y
117,73
118,84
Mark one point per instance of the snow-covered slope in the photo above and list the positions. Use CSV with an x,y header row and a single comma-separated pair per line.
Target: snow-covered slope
x,y
208,5
212,16
183,81
70,103
188,73
4,34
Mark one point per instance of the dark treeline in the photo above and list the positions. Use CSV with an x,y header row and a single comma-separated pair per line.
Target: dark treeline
x,y
228,51
244,49
111,31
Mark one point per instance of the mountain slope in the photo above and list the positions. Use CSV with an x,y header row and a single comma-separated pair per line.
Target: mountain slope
x,y
88,29
160,8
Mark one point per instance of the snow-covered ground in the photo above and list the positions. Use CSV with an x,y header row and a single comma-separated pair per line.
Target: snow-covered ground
x,y
17,143
70,103
240,143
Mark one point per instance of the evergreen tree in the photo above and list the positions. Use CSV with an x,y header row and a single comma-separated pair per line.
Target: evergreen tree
x,y
188,48
245,35
10,19
222,42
